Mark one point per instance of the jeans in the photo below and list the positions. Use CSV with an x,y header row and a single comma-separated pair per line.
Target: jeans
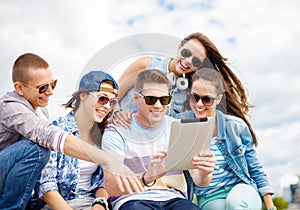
x,y
21,164
240,196
174,204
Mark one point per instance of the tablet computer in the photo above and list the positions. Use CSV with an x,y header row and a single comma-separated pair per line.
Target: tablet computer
x,y
188,137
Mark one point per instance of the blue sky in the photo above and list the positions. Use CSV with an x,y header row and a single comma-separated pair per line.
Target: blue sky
x,y
260,38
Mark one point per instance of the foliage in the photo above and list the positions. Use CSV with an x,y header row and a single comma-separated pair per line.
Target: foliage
x,y
280,203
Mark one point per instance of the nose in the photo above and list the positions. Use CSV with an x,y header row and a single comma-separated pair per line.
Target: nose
x,y
199,103
49,90
157,103
107,105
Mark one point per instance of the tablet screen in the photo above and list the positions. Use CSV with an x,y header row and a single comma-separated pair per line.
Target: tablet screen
x,y
188,137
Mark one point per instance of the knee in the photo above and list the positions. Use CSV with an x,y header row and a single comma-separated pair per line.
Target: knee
x,y
36,152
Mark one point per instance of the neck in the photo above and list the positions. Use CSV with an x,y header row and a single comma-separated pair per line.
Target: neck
x,y
145,121
172,67
84,125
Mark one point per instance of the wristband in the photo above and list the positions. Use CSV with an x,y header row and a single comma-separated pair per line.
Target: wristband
x,y
143,180
101,201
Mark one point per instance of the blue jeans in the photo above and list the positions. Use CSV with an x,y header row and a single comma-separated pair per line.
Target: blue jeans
x,y
21,164
174,204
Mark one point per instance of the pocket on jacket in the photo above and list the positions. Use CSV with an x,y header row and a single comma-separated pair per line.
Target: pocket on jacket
x,y
239,151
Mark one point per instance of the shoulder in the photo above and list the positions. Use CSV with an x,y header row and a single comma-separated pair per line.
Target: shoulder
x,y
159,62
232,122
66,122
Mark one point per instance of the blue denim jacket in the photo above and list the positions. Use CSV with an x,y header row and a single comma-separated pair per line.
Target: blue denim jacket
x,y
62,172
236,144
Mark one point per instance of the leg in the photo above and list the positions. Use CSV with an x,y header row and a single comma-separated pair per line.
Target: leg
x,y
139,205
243,196
179,204
21,165
215,204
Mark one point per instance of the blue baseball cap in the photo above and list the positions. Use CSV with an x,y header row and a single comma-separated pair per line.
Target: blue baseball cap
x,y
92,82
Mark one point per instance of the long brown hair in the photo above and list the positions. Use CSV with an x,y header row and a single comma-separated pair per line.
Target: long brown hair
x,y
236,97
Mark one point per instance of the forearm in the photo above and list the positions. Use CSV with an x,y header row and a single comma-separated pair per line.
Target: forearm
x,y
78,148
268,201
55,200
101,192
127,79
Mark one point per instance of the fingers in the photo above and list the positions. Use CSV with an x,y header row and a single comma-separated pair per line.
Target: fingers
x,y
122,118
160,154
120,183
205,162
129,184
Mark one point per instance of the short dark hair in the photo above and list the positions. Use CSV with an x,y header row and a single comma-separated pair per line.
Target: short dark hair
x,y
25,62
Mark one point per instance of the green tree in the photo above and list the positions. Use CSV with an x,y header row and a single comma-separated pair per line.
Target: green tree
x,y
280,203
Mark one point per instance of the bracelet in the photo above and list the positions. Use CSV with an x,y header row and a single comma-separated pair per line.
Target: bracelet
x,y
143,180
101,201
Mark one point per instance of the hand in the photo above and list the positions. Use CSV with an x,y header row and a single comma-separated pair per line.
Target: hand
x,y
126,180
204,166
156,167
204,162
122,118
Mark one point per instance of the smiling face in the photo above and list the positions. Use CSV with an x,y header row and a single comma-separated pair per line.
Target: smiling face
x,y
188,57
151,115
202,88
29,89
92,107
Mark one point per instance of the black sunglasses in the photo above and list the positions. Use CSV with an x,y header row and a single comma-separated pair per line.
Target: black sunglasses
x,y
186,54
150,100
206,100
102,100
42,88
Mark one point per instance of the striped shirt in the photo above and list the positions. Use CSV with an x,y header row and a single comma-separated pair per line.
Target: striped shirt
x,y
222,175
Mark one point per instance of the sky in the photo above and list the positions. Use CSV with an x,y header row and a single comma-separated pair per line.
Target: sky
x,y
259,38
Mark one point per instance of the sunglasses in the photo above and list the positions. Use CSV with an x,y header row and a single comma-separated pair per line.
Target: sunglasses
x,y
186,54
206,100
42,88
151,100
102,100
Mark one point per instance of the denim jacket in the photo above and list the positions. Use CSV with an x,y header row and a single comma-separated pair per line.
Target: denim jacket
x,y
236,144
62,172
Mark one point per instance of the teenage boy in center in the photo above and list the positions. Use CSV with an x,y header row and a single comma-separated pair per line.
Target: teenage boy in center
x,y
143,148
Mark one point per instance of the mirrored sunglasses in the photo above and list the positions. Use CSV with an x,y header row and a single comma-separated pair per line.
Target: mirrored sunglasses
x,y
42,88
151,100
102,100
186,54
206,100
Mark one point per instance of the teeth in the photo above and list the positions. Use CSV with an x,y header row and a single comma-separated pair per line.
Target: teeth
x,y
101,112
184,65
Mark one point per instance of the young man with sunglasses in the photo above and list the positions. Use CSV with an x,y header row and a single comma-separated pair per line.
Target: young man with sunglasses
x,y
143,148
26,135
